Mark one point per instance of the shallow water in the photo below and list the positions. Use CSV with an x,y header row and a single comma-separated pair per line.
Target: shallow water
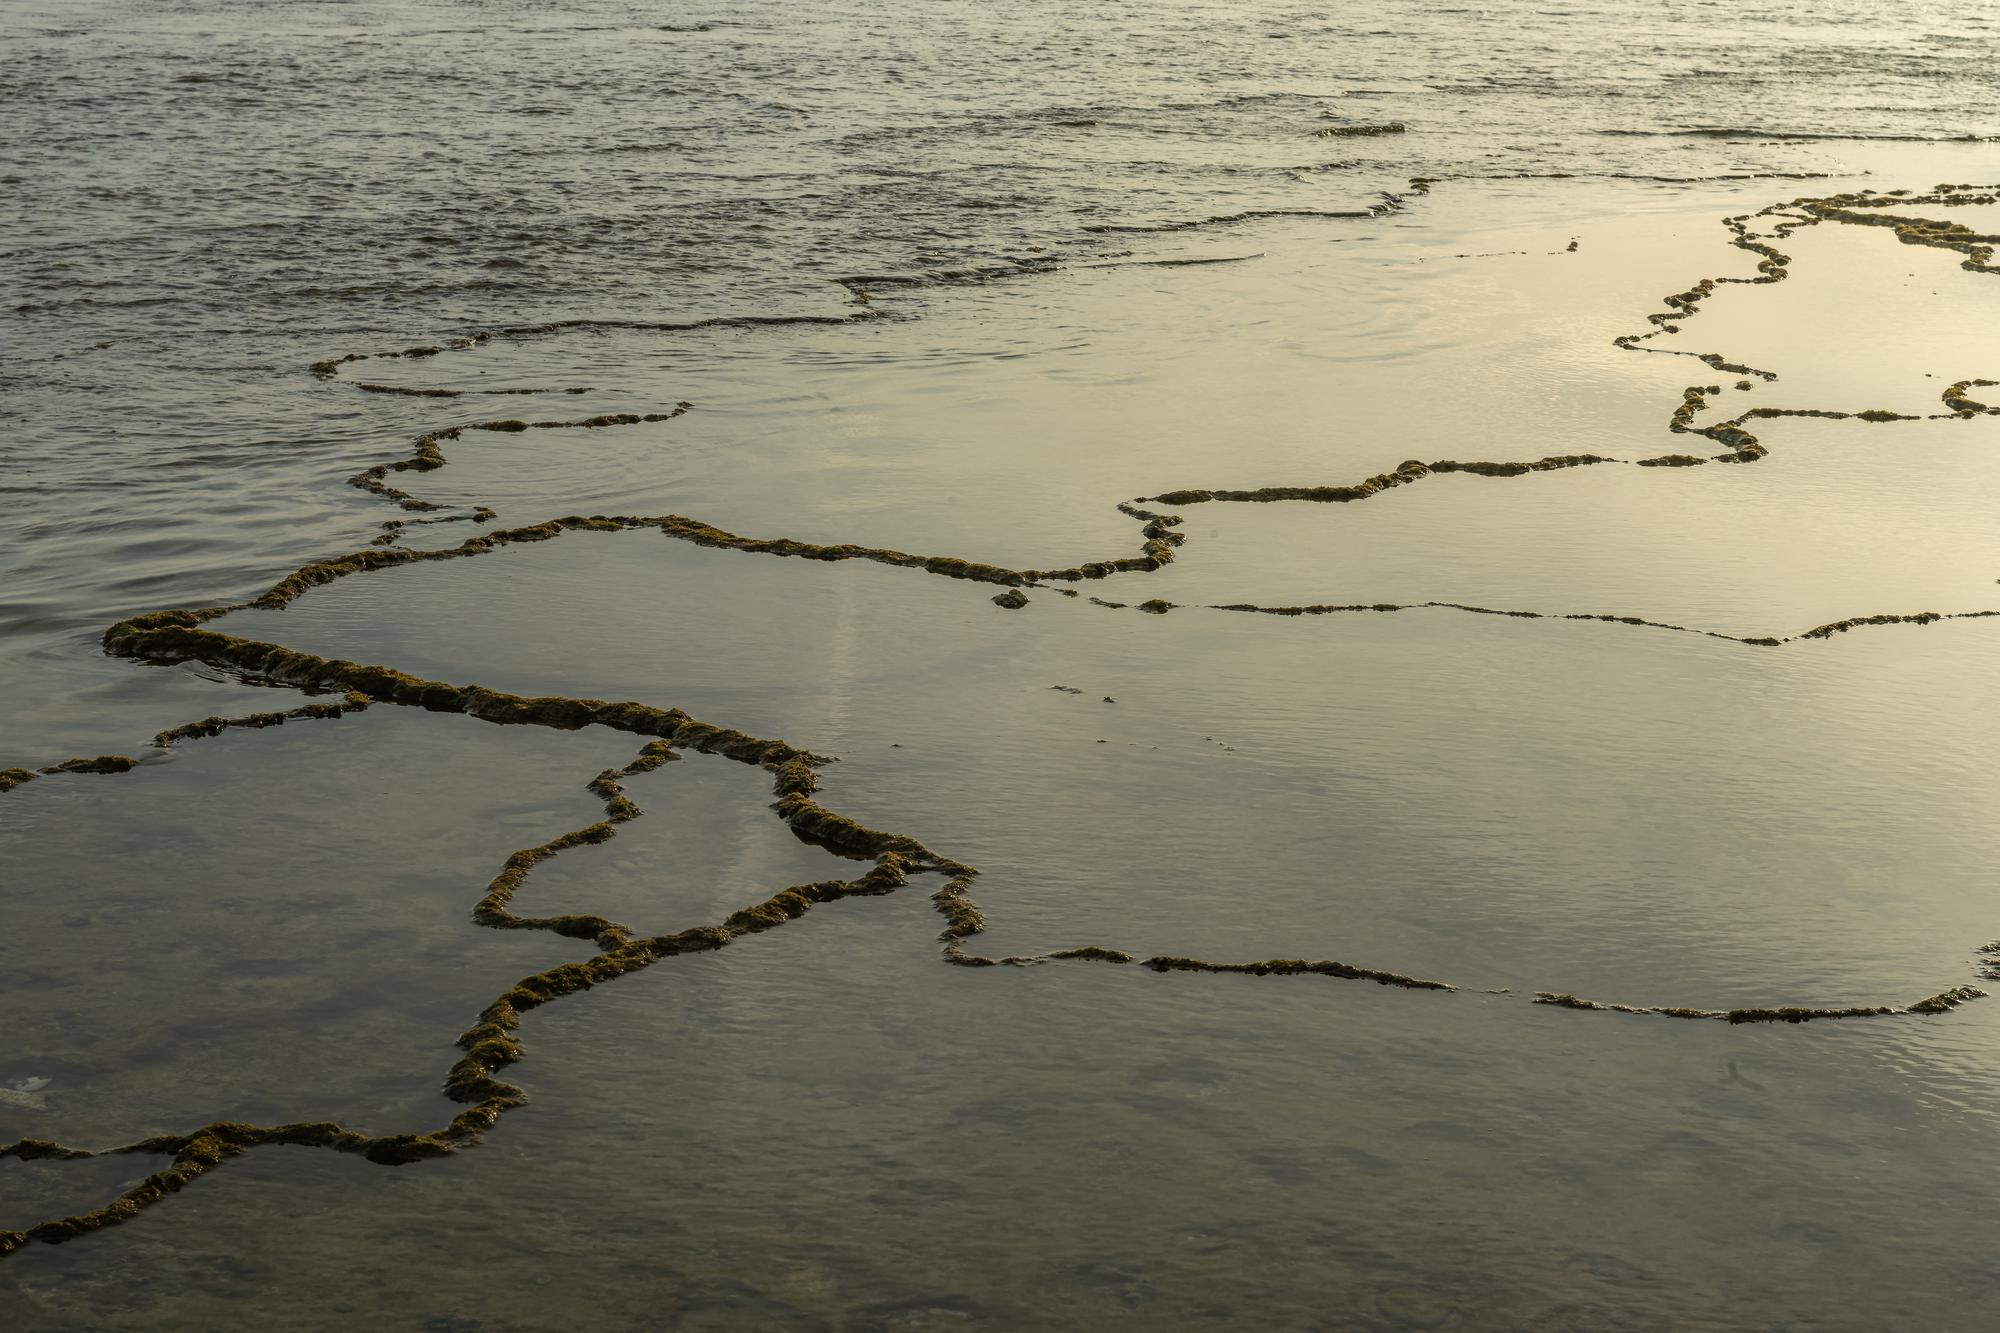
x,y
1602,730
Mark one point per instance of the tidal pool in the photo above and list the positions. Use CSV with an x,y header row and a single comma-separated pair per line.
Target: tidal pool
x,y
1233,929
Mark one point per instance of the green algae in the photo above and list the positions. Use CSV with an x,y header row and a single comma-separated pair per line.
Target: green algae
x,y
1842,626
1961,402
1091,953
1158,536
492,1044
1941,1003
963,918
215,726
1296,967
105,763
1818,632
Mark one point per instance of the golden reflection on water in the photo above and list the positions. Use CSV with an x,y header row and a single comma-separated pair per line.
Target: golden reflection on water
x,y
1514,804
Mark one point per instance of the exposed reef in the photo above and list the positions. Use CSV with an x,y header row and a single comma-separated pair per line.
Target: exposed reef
x,y
1158,538
1818,632
1362,131
427,454
1942,1002
492,1042
1392,201
209,726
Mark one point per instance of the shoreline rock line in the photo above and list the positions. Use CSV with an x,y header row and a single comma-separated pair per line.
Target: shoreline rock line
x,y
492,1043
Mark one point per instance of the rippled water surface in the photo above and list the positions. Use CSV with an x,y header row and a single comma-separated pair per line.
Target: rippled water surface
x,y
831,332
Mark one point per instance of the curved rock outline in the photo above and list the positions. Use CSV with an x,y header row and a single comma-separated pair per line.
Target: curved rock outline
x,y
490,1045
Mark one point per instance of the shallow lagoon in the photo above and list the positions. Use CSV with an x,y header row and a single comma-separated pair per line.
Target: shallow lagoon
x,y
824,1123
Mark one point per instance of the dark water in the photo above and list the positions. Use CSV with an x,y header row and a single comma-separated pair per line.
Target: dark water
x,y
1432,224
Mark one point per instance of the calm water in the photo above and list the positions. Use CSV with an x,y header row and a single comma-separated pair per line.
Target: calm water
x,y
1055,260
